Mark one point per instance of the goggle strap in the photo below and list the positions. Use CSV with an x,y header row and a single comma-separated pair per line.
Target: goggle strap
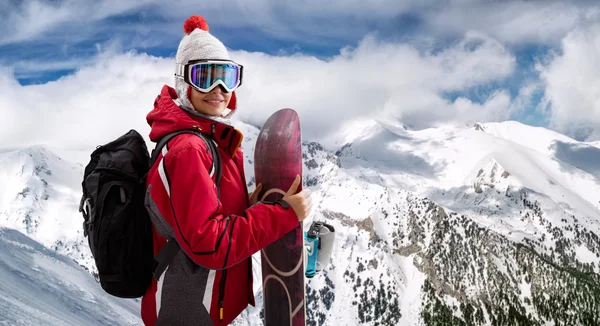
x,y
180,70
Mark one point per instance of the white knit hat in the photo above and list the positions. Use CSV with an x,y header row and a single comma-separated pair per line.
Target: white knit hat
x,y
197,44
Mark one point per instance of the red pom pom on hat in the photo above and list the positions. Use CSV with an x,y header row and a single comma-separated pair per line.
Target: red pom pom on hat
x,y
194,22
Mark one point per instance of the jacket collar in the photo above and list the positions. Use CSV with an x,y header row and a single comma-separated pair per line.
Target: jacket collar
x,y
167,117
225,136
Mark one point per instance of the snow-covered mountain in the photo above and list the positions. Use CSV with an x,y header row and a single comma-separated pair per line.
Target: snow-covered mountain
x,y
39,196
494,223
41,287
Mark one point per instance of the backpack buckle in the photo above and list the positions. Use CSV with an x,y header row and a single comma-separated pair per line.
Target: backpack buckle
x,y
86,209
315,230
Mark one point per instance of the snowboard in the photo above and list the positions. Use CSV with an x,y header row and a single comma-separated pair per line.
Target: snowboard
x,y
277,161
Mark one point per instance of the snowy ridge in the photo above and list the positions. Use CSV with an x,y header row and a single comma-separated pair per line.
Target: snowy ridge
x,y
40,287
537,138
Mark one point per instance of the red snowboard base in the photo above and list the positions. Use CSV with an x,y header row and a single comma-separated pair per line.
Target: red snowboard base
x,y
277,161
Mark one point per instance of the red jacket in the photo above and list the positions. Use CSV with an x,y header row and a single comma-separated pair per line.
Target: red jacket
x,y
210,281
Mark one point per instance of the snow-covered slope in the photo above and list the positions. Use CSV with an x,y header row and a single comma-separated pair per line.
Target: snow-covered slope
x,y
495,223
41,287
39,196
536,138
443,163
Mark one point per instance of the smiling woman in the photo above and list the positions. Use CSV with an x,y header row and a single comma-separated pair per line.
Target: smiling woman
x,y
199,198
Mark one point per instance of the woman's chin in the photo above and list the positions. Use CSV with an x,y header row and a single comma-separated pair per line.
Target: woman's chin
x,y
215,112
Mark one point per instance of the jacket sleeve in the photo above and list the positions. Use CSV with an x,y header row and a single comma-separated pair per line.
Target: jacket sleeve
x,y
208,237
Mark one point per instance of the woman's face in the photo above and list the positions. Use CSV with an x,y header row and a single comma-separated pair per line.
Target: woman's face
x,y
212,103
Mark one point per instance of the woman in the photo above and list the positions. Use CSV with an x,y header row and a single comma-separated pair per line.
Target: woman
x,y
209,282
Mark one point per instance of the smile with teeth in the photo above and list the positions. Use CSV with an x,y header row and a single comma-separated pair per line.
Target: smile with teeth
x,y
214,101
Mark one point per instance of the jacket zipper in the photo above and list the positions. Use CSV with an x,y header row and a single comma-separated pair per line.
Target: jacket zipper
x,y
222,294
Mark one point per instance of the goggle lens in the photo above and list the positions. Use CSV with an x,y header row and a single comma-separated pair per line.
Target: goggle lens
x,y
205,75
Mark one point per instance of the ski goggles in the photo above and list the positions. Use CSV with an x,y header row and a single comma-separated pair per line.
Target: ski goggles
x,y
205,75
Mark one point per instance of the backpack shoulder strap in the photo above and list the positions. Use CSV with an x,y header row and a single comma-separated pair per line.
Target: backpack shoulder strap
x,y
162,142
216,164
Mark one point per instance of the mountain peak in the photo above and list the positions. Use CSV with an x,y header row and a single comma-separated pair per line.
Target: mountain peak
x,y
490,176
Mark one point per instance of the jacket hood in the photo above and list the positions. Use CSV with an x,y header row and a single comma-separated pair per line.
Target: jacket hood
x,y
168,117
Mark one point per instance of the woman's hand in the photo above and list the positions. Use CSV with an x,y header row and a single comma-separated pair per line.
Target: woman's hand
x,y
253,198
301,202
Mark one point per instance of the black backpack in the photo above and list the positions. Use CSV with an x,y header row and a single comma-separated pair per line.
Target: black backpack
x,y
116,222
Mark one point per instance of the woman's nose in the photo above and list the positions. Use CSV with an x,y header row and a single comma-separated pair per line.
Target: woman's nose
x,y
219,89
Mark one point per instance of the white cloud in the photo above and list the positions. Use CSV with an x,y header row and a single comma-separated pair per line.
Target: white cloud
x,y
422,109
35,19
374,78
114,94
27,20
571,79
85,109
308,21
545,22
474,60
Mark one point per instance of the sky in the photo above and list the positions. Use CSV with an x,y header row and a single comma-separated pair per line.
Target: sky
x,y
77,73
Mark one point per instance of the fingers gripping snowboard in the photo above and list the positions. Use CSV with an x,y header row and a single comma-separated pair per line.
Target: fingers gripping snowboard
x,y
277,161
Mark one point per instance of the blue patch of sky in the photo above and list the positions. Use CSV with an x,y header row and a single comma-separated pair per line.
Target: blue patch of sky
x,y
39,62
533,116
44,77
